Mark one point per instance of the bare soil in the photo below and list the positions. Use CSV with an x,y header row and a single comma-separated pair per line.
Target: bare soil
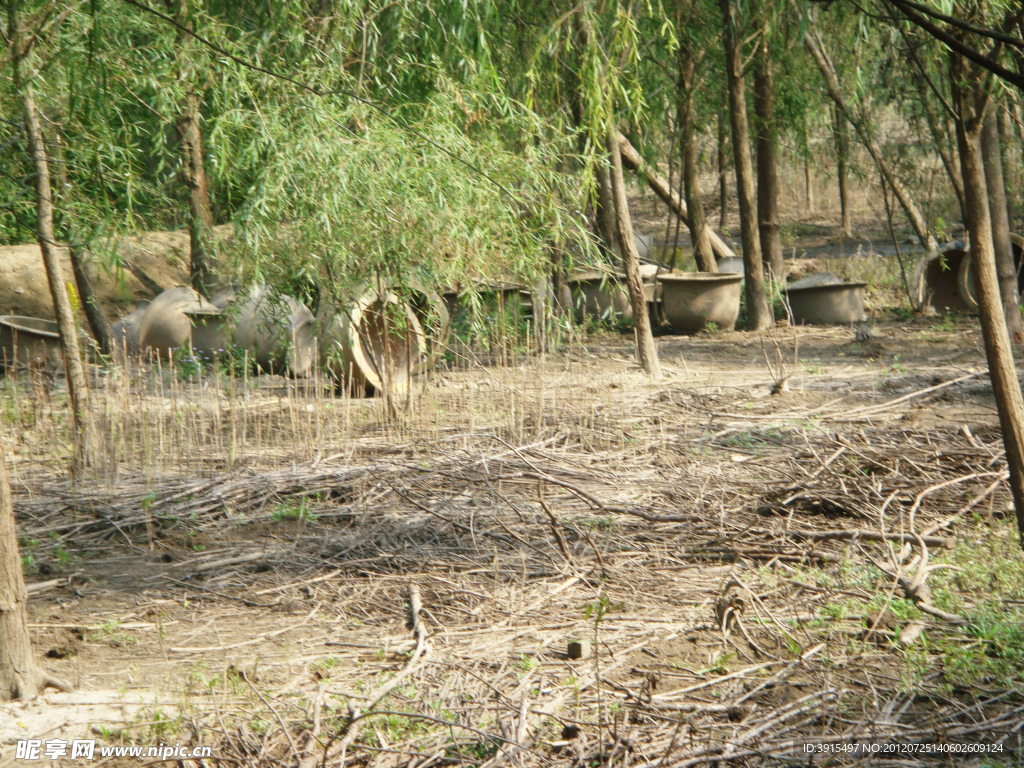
x,y
250,591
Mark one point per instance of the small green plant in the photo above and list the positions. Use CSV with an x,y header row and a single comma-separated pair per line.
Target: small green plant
x,y
321,668
525,664
300,511
186,364
29,565
710,327
111,634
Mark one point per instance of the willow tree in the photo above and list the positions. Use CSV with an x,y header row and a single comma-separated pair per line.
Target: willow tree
x,y
759,315
25,46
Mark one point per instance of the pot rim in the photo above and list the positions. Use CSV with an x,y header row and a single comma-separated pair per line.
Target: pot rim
x,y
12,321
703,277
826,287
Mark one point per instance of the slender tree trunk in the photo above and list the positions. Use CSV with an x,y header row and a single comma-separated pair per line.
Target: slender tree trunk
x,y
606,212
1000,219
647,353
699,235
200,226
1011,168
90,304
759,316
767,163
842,161
723,174
808,189
828,73
998,350
20,677
67,330
79,254
200,219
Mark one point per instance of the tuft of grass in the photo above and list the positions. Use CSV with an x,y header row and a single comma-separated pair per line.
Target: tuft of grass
x,y
300,511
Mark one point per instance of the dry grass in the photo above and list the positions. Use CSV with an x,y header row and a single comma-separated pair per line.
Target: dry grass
x,y
248,548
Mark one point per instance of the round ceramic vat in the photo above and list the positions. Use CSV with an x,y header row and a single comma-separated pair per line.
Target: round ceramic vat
x,y
605,296
828,304
364,346
692,301
29,341
937,281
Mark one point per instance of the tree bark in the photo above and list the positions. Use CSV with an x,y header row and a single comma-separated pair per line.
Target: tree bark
x,y
824,64
79,254
90,304
723,174
842,161
67,330
606,211
998,350
703,252
631,159
767,164
20,677
647,353
808,189
1000,217
200,226
759,315
200,218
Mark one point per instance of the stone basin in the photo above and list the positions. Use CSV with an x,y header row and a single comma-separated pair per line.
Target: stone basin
x,y
824,299
603,294
29,341
937,281
691,301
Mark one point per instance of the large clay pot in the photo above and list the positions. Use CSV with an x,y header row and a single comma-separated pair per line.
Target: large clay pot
x,y
691,301
29,341
124,334
278,331
363,346
824,299
212,331
937,281
166,324
604,295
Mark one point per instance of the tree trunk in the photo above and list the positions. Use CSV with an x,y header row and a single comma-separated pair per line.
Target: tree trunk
x,y
824,64
20,677
723,174
90,304
808,189
200,225
200,219
79,254
759,316
998,350
606,212
646,351
631,159
703,253
767,164
1000,219
842,161
67,330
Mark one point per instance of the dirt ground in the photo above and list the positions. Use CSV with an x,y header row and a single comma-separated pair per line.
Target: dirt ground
x,y
737,567
240,575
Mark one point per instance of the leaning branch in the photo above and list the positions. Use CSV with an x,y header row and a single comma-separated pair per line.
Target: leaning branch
x,y
632,160
828,73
